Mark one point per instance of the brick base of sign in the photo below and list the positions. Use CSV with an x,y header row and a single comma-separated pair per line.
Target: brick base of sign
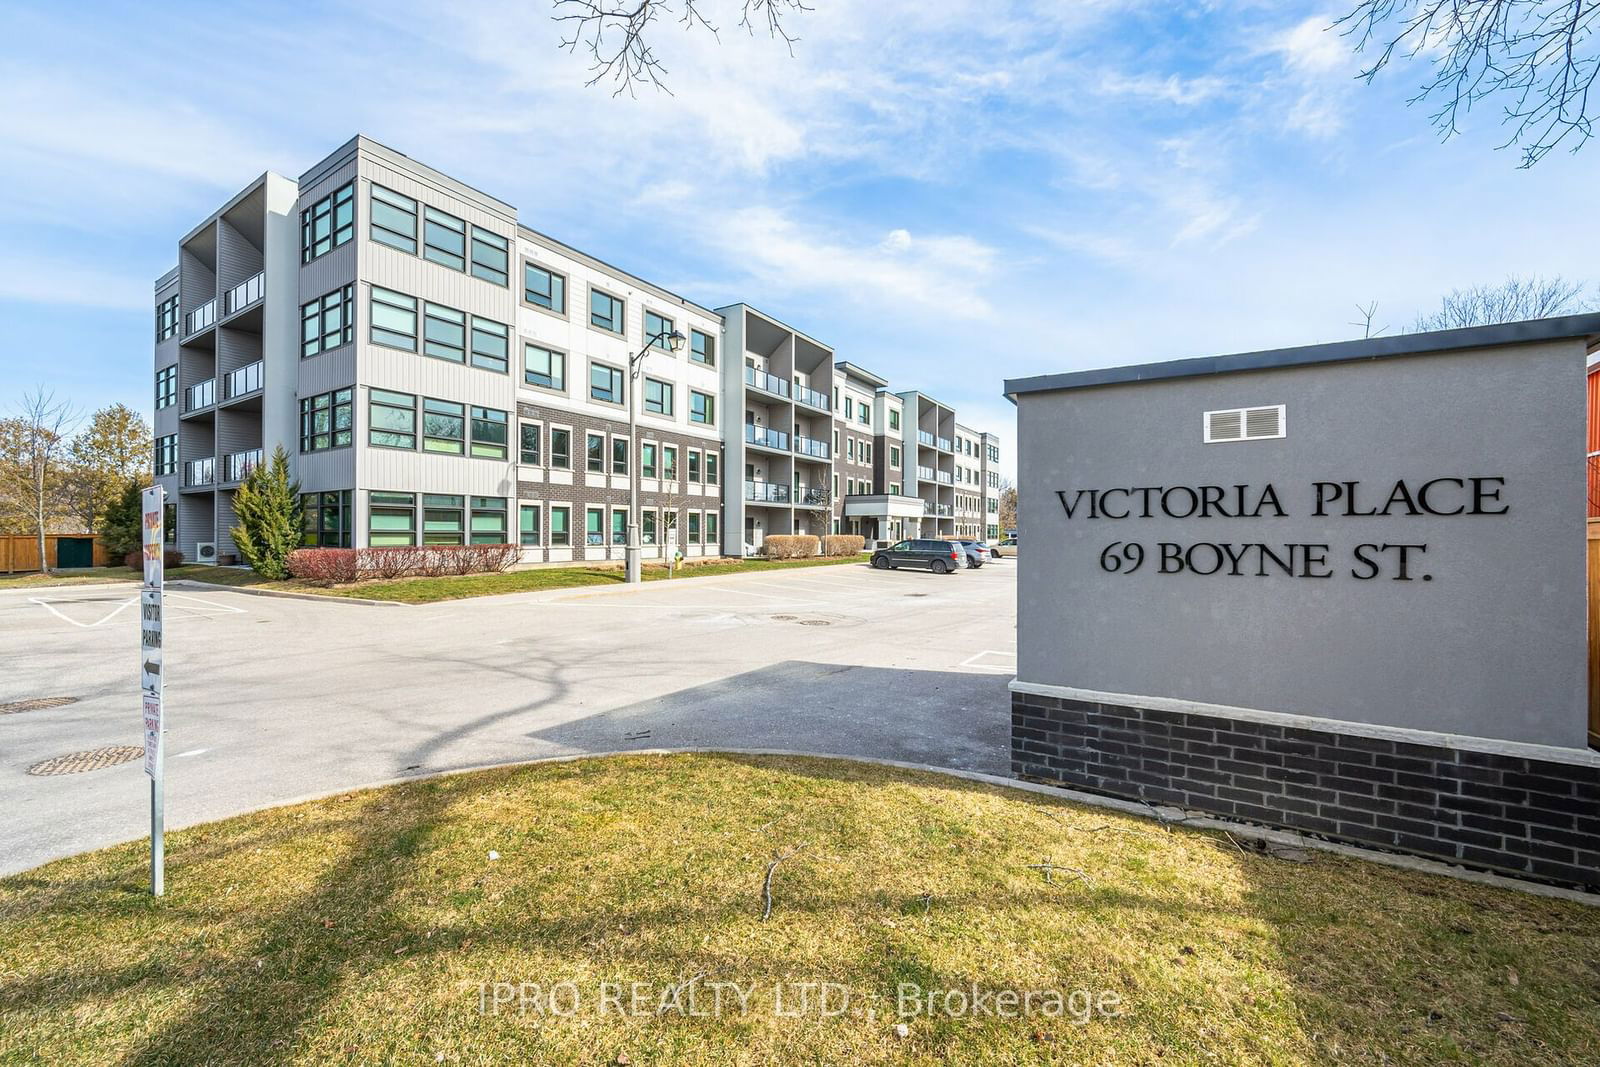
x,y
1531,818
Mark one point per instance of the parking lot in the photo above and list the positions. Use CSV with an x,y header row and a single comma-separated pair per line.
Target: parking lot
x,y
269,699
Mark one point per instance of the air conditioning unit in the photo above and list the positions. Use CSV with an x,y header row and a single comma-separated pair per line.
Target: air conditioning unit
x,y
205,551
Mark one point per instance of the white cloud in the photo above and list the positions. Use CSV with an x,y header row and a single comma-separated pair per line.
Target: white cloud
x,y
1313,47
1185,92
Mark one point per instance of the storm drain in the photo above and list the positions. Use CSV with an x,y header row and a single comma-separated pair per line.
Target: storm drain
x,y
38,704
92,760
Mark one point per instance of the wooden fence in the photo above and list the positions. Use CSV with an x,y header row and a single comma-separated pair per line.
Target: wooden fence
x,y
1594,633
20,552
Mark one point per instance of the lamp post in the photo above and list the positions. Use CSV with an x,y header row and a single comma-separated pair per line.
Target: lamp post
x,y
635,467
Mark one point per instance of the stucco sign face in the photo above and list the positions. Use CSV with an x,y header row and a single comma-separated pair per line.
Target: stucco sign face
x,y
1352,500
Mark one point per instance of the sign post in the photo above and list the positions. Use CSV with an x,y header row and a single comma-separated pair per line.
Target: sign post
x,y
152,677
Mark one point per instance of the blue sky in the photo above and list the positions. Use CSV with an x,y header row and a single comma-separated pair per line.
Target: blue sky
x,y
949,197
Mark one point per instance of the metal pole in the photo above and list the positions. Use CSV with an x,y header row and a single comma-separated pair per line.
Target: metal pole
x,y
158,857
632,553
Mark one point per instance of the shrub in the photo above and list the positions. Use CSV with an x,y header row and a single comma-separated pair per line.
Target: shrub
x,y
325,566
843,545
789,546
135,560
270,517
122,528
330,565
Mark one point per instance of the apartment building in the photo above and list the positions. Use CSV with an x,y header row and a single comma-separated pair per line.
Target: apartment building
x,y
442,373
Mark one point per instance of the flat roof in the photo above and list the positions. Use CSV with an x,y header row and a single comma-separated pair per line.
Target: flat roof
x,y
1565,327
862,373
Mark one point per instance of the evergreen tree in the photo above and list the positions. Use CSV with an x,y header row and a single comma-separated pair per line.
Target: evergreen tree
x,y
122,528
270,518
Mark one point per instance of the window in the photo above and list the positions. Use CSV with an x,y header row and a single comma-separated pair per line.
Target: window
x,y
490,432
702,407
711,469
647,527
850,446
647,460
391,419
894,456
166,387
491,257
444,427
606,311
594,528
394,319
835,485
619,455
711,527
544,288
694,527
488,521
596,453
702,348
694,467
657,331
894,488
605,384
849,409
619,526
326,421
529,525
391,519
327,322
560,449
329,519
444,333
543,367
866,452
531,434
561,526
169,521
657,397
669,463
393,219
894,419
491,344
444,239
166,318
328,223
866,415
167,455
443,519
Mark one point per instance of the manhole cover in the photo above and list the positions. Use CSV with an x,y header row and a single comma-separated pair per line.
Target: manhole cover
x,y
38,704
92,760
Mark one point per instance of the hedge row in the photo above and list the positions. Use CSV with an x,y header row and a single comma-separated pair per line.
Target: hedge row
x,y
790,546
339,565
170,557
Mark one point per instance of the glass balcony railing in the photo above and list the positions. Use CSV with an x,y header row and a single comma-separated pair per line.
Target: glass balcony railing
x,y
766,382
236,466
200,395
244,294
766,437
810,446
924,438
200,317
767,492
811,397
243,381
198,471
930,508
946,445
924,474
947,478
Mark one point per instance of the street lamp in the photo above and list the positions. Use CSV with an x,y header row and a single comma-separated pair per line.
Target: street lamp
x,y
635,468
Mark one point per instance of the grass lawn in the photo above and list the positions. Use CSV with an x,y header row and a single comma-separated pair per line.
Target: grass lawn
x,y
373,928
71,576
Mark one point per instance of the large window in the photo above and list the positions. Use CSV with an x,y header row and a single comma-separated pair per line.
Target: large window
x,y
560,449
529,525
702,348
391,419
391,519
647,459
489,521
619,455
328,223
167,455
657,330
544,367
491,257
166,387
444,427
647,527
491,431
606,311
594,526
166,318
595,453
532,433
545,288
619,526
894,419
711,527
711,469
393,219
561,526
444,333
444,238
669,463
694,528
702,407
694,466
491,344
894,456
443,519
327,322
329,519
394,319
605,384
326,421
657,397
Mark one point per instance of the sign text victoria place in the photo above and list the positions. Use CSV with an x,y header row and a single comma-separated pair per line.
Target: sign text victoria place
x,y
1352,500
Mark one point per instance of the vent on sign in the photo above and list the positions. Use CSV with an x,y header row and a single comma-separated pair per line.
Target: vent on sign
x,y
1245,424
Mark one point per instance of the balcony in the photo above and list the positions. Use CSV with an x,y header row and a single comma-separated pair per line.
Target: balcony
x,y
924,438
946,445
198,472
811,397
244,294
766,437
942,510
766,492
924,474
809,497
201,317
946,478
766,382
810,446
242,382
200,395
236,466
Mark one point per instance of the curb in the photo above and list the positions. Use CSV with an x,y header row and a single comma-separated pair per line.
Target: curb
x,y
1247,831
195,583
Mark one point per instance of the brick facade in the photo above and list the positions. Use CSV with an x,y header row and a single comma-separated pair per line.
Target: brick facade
x,y
1530,817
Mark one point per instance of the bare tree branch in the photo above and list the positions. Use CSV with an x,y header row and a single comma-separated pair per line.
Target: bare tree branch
x,y
1517,300
33,447
1365,323
766,883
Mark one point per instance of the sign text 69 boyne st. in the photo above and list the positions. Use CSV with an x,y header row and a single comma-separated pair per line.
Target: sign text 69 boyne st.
x,y
1446,497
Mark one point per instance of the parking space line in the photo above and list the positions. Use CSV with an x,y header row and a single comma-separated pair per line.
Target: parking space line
x,y
46,605
972,663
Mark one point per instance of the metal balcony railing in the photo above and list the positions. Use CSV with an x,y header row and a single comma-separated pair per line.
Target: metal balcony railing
x,y
200,395
243,381
811,397
244,294
810,446
198,471
807,496
766,382
236,466
767,437
767,492
924,438
200,317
